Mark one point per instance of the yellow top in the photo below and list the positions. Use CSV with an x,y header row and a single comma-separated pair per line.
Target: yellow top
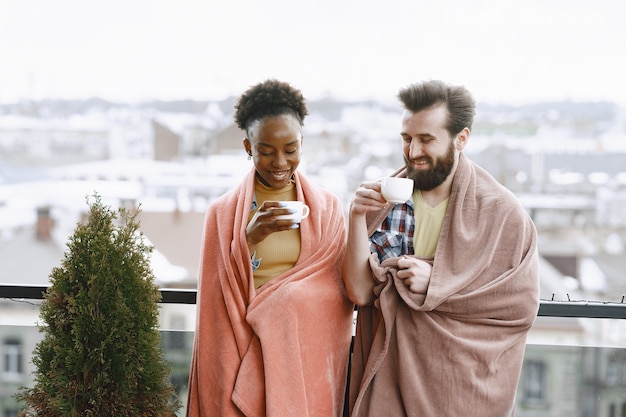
x,y
279,251
428,222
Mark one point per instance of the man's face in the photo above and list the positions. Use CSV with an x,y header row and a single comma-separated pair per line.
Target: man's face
x,y
429,151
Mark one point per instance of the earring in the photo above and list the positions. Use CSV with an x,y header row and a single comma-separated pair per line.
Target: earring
x,y
249,157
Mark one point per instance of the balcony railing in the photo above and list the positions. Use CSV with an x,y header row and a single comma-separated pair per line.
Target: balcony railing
x,y
569,308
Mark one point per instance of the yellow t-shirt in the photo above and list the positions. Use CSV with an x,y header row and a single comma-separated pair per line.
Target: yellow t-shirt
x,y
428,223
279,251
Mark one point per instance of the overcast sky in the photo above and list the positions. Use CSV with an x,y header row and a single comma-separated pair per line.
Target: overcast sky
x,y
502,50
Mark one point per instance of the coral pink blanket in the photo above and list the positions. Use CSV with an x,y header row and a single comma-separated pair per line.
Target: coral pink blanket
x,y
281,350
458,350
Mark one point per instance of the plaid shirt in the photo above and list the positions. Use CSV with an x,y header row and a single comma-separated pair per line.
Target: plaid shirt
x,y
394,237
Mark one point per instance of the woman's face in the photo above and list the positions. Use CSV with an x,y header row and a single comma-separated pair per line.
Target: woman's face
x,y
275,146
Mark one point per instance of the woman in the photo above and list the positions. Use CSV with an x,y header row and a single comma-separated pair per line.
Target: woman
x,y
274,324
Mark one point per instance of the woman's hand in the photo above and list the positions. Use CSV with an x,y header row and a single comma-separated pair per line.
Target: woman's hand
x,y
264,223
415,274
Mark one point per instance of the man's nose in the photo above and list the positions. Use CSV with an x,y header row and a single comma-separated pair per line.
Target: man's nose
x,y
415,149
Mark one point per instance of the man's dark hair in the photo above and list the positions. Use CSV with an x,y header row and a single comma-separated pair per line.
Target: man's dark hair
x,y
459,102
269,98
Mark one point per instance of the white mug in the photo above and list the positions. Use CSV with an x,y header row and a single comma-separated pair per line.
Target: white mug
x,y
301,211
397,190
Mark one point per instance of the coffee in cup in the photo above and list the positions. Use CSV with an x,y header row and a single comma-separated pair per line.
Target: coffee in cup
x,y
397,190
299,211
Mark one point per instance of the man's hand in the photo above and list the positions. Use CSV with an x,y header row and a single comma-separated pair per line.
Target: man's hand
x,y
367,198
415,273
357,275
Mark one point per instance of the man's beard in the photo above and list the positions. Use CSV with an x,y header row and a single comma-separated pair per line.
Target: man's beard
x,y
426,180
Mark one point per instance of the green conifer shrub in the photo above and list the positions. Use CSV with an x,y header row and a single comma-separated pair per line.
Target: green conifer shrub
x,y
101,353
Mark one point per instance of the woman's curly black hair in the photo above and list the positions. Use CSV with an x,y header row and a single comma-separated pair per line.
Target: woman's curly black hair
x,y
267,99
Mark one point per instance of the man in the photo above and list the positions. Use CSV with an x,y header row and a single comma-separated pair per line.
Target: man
x,y
446,283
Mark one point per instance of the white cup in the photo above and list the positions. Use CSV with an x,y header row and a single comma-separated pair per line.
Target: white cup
x,y
397,190
301,211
